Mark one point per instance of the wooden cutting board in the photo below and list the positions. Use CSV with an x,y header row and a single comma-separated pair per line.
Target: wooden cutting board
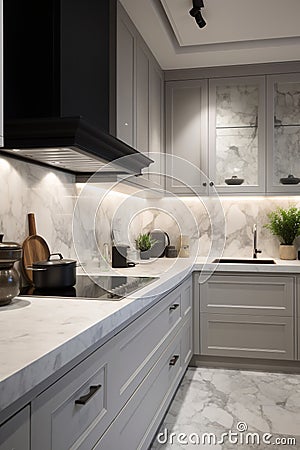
x,y
35,248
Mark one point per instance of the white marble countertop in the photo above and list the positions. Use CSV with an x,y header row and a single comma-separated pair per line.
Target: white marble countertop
x,y
39,335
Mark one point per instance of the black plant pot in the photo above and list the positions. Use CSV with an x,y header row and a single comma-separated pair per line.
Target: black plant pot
x,y
145,254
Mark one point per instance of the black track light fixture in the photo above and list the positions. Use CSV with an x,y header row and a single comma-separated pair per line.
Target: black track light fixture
x,y
199,19
196,13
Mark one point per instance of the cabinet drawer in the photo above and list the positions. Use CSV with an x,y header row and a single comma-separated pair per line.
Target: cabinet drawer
x,y
15,433
141,344
139,419
247,336
77,409
270,296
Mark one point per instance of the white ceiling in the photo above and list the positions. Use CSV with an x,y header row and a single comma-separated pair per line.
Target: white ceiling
x,y
237,31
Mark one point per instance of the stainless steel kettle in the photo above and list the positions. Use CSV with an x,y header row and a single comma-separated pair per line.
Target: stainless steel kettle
x,y
10,252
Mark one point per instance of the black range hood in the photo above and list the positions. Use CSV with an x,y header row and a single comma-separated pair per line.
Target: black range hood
x,y
60,85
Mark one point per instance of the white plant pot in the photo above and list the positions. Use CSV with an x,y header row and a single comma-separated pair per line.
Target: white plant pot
x,y
287,252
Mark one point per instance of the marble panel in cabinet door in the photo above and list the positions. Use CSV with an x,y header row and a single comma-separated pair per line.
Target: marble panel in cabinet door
x,y
283,132
236,133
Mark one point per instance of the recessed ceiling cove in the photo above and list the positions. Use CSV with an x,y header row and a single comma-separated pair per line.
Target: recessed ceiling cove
x,y
237,31
234,20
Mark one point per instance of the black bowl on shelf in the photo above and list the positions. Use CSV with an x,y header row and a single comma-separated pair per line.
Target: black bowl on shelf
x,y
234,180
290,179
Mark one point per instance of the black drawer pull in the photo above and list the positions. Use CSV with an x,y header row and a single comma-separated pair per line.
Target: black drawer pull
x,y
173,360
85,398
173,307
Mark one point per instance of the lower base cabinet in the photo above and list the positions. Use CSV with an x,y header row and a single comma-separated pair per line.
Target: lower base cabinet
x,y
78,408
247,336
297,325
247,316
15,433
137,422
116,398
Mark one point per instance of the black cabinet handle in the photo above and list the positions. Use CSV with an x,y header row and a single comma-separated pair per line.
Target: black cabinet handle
x,y
211,183
85,398
173,307
204,184
173,360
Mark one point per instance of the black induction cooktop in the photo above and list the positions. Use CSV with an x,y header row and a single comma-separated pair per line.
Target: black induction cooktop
x,y
95,288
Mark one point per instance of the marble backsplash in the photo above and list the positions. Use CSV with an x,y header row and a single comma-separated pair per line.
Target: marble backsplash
x,y
49,194
214,225
240,214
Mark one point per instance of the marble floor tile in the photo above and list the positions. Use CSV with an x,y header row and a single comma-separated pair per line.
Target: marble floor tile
x,y
217,400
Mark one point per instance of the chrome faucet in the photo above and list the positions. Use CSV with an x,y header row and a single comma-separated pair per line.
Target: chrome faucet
x,y
255,250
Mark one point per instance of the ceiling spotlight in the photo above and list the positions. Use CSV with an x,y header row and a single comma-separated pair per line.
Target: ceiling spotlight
x,y
199,19
196,13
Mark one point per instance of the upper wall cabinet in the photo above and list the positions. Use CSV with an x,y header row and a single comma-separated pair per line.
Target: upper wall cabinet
x,y
236,134
186,136
125,82
283,138
140,94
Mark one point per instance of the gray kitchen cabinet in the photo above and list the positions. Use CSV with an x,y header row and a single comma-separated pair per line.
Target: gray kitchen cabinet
x,y
78,408
247,336
120,392
234,144
254,295
15,433
186,136
149,111
246,316
297,319
237,133
125,111
283,132
156,124
254,127
1,79
140,345
140,96
136,424
142,99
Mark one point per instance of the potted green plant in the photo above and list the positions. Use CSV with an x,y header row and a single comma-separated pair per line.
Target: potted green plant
x,y
285,223
144,243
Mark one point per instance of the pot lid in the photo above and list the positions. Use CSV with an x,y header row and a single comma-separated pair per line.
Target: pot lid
x,y
58,261
8,245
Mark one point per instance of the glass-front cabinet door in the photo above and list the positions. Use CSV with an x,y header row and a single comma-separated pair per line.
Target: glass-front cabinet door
x,y
283,139
236,134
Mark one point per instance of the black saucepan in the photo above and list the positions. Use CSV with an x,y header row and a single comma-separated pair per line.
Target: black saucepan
x,y
54,272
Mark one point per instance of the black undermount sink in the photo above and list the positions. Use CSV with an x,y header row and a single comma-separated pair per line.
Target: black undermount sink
x,y
243,261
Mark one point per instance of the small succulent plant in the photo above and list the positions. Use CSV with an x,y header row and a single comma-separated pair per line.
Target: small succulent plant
x,y
144,242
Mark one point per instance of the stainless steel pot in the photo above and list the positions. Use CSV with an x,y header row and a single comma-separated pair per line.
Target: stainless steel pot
x,y
54,273
10,252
